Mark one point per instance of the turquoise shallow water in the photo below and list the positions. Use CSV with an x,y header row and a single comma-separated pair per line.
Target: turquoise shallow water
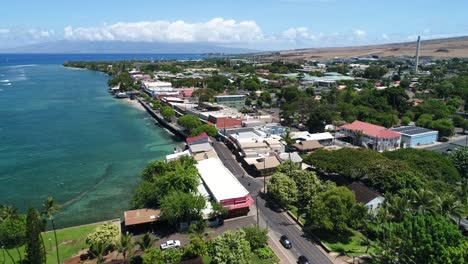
x,y
63,135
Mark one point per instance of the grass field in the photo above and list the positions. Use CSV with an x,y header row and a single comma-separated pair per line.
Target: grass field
x,y
354,243
71,240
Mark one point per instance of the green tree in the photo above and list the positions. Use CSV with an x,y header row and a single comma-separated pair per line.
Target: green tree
x,y
424,120
230,248
375,72
308,188
173,255
256,235
196,247
332,210
178,206
189,121
430,163
49,209
153,256
102,238
423,239
282,189
423,201
12,229
35,251
209,129
146,242
167,112
444,126
125,245
459,158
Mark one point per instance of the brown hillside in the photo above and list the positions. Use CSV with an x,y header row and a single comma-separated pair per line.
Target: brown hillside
x,y
437,48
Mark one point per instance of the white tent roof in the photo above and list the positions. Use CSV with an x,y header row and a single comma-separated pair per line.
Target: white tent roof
x,y
307,136
221,182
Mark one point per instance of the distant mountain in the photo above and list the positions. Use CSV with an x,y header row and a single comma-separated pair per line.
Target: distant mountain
x,y
67,46
456,47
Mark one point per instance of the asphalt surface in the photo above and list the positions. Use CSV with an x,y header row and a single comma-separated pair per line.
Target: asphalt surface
x,y
450,145
272,217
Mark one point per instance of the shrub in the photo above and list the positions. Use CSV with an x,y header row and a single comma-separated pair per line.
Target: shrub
x,y
265,253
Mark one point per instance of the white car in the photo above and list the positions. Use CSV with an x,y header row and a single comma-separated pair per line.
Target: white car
x,y
170,244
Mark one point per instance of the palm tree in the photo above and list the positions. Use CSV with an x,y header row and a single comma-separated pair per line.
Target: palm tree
x,y
450,207
125,245
398,207
423,200
11,213
146,241
198,230
49,209
98,251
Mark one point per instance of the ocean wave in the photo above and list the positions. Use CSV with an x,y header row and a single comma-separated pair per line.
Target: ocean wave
x,y
6,84
4,81
25,65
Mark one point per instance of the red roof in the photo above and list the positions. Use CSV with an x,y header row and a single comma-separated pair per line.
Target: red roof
x,y
227,122
203,135
371,130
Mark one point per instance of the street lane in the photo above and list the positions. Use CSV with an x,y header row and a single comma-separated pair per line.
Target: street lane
x,y
276,221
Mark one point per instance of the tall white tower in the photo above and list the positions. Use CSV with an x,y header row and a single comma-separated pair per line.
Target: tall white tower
x,y
416,63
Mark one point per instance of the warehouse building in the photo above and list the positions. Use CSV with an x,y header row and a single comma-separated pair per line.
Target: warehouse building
x,y
412,136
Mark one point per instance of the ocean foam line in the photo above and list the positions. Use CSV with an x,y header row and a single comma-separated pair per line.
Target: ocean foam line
x,y
25,65
6,84
4,81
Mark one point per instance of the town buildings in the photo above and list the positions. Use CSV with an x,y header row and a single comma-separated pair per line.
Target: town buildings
x,y
224,187
235,101
412,136
371,136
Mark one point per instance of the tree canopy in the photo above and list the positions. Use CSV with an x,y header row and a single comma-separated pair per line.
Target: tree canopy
x,y
179,206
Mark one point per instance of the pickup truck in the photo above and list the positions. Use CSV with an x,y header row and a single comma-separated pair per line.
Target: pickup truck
x,y
170,244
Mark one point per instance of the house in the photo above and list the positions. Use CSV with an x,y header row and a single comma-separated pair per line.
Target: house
x,y
370,198
224,187
140,218
263,165
307,146
412,136
293,156
372,136
177,156
200,139
323,138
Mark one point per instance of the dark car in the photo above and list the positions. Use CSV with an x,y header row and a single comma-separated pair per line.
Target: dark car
x,y
303,260
285,242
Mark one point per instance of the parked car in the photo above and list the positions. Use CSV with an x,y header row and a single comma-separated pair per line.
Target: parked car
x,y
303,260
170,244
285,242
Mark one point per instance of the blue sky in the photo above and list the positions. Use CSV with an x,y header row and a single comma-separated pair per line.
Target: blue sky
x,y
259,24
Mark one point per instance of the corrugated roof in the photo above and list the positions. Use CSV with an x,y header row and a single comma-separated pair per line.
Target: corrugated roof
x,y
269,163
221,182
141,216
371,130
309,144
190,140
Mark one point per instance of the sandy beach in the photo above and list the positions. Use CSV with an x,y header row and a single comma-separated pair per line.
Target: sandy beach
x,y
133,103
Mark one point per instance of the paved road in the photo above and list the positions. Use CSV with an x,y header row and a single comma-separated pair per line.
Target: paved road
x,y
277,222
452,144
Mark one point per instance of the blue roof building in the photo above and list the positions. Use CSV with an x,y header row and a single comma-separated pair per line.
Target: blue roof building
x,y
412,136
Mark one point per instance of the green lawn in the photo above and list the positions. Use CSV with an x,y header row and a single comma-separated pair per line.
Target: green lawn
x,y
71,240
253,260
354,242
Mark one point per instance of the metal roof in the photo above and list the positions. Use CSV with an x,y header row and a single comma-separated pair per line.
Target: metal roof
x,y
412,130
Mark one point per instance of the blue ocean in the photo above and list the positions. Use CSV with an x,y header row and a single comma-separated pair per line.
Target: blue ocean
x,y
63,135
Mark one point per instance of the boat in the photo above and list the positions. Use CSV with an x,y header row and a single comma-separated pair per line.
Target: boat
x,y
121,95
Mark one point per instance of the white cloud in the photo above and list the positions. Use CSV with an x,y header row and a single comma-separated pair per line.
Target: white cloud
x,y
384,36
360,33
217,30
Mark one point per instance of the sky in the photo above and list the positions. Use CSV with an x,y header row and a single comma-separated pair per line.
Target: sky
x,y
255,24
